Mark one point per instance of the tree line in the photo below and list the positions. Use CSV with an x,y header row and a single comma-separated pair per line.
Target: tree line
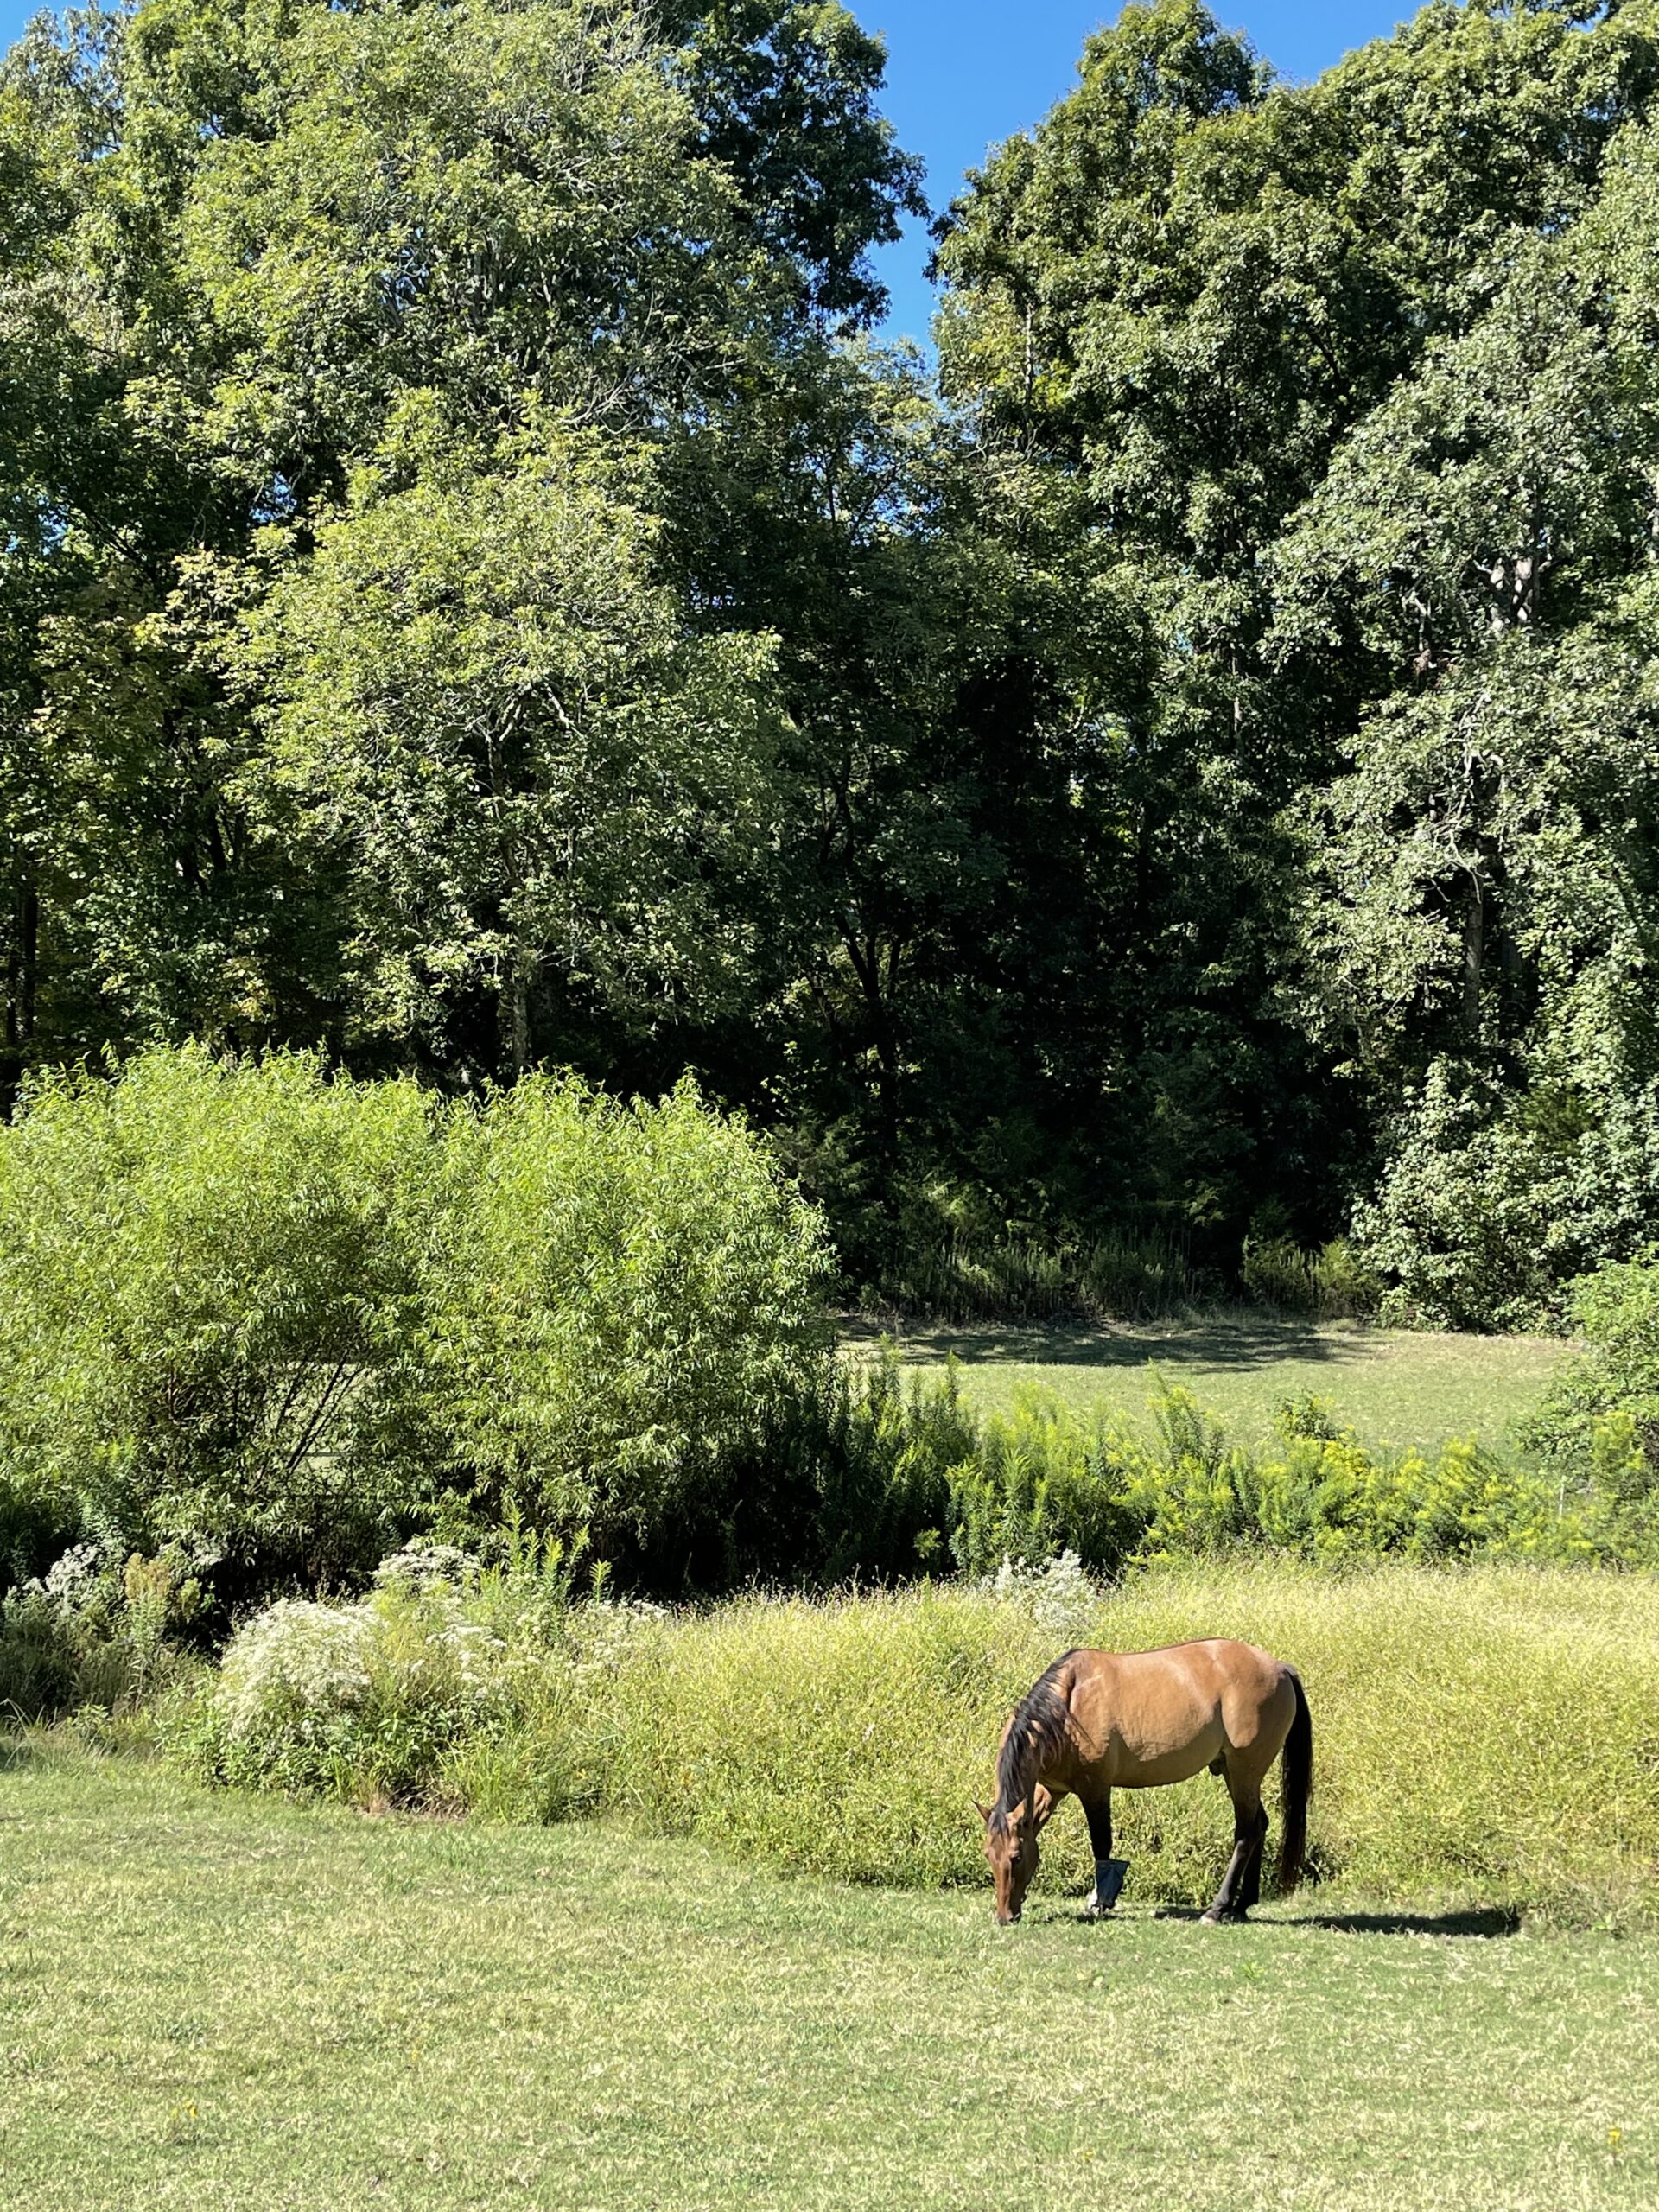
x,y
476,596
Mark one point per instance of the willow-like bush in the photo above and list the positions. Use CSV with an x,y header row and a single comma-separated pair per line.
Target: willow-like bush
x,y
274,1319
617,1300
205,1267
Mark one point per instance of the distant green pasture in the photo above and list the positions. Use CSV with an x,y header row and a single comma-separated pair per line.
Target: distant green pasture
x,y
1392,1385
214,2002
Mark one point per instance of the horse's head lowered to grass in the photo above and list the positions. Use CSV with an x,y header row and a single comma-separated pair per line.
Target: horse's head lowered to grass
x,y
1011,1845
1035,1735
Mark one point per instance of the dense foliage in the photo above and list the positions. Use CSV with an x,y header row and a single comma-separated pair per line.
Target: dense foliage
x,y
473,598
259,1324
1351,389
1600,1419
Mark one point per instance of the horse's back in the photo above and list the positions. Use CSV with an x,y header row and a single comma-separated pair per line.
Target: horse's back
x,y
1159,1716
1211,1661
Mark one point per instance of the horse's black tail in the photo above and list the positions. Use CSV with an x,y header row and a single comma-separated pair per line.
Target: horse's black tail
x,y
1298,1780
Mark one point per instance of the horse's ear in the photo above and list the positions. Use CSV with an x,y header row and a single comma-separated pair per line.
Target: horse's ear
x,y
984,1811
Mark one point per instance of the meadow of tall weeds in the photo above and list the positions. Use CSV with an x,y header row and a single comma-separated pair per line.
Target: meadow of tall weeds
x,y
1483,1734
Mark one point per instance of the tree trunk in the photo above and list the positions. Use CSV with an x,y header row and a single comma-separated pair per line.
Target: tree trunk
x,y
519,1012
22,965
865,959
1474,951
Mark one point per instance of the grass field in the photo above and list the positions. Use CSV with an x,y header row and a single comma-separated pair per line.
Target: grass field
x,y
1393,1385
213,2001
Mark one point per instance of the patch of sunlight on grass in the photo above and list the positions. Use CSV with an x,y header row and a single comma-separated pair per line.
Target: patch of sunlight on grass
x,y
1393,1385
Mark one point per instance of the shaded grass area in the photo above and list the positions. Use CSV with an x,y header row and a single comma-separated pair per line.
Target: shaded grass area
x,y
1393,1385
234,2003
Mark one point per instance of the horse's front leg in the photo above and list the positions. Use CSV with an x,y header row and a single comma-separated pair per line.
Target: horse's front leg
x,y
1108,1872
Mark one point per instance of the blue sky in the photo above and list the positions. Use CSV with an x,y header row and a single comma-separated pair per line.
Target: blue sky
x,y
961,74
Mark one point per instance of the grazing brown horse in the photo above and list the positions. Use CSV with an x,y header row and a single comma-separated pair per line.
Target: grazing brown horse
x,y
1104,1721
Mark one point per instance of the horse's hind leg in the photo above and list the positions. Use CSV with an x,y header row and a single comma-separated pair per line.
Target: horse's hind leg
x,y
1240,1884
1250,1889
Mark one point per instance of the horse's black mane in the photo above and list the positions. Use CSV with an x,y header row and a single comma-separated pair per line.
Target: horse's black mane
x,y
1037,1729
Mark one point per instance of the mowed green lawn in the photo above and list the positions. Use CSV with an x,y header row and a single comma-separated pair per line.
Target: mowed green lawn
x,y
235,2004
1393,1385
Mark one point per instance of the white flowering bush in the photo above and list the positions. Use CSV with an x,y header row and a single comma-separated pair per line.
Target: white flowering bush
x,y
448,1682
363,1700
1060,1597
573,1682
421,1566
78,1578
606,1635
300,1662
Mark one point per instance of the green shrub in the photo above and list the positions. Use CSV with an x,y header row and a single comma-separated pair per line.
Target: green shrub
x,y
851,1474
283,1319
1039,1482
1321,1494
205,1268
93,1634
870,1474
1599,1424
853,1477
39,1520
1495,1200
616,1300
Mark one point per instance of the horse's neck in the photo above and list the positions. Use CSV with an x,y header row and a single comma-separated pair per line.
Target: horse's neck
x,y
1038,1736
1028,1783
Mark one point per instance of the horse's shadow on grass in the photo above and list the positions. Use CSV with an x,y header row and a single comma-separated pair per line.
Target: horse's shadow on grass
x,y
1484,1921
1469,1920
1474,1920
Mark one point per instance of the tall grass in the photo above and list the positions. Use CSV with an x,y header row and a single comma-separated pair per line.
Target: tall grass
x,y
963,1273
1485,1735
1328,1282
1489,1733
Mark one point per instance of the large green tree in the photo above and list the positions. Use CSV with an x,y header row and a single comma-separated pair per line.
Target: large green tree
x,y
1332,378
285,280
534,781
473,593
